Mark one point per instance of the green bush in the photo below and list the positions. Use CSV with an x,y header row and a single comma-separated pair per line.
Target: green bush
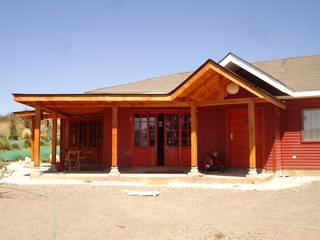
x,y
27,143
15,146
4,144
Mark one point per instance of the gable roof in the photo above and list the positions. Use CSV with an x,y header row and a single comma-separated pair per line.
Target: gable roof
x,y
291,76
158,85
299,73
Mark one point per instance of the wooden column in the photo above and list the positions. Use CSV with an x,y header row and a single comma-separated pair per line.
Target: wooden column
x,y
194,139
114,159
37,132
252,138
54,139
32,137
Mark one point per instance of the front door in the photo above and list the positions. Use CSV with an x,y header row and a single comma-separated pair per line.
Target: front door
x,y
161,139
239,137
144,141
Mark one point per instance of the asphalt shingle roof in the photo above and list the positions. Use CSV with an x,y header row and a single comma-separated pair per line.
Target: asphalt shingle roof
x,y
300,74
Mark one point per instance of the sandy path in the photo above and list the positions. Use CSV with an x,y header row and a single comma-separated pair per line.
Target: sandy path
x,y
100,212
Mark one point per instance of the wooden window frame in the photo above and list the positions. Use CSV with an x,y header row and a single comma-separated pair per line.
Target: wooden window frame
x,y
98,135
302,126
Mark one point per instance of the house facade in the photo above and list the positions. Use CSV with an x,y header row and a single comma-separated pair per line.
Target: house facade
x,y
261,117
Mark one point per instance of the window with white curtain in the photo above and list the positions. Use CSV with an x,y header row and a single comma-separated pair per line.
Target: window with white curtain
x,y
311,124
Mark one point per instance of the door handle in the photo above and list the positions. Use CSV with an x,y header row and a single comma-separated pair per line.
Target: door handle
x,y
231,136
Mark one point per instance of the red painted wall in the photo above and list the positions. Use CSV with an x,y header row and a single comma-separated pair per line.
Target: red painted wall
x,y
124,137
210,133
307,153
107,126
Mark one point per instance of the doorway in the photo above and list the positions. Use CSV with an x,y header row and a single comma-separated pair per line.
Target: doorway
x,y
239,137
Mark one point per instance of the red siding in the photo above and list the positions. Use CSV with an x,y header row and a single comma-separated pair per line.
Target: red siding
x,y
107,125
124,137
210,133
307,154
273,138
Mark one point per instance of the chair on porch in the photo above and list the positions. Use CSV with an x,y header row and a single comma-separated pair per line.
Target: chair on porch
x,y
72,160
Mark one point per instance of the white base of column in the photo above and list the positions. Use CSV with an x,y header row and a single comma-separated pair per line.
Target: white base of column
x,y
194,172
35,173
252,172
114,171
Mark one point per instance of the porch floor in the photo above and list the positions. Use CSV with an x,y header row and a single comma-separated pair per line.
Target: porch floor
x,y
160,176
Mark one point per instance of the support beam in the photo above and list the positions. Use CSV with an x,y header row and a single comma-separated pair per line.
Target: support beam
x,y
32,136
37,132
114,161
252,138
194,140
54,139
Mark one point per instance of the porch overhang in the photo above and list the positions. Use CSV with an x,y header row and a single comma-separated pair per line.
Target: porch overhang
x,y
205,87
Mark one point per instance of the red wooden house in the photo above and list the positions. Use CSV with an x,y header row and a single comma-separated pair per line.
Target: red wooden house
x,y
260,116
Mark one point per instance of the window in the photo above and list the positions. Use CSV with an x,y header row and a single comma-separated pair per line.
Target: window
x,y
172,129
85,134
74,134
144,130
175,124
311,124
185,130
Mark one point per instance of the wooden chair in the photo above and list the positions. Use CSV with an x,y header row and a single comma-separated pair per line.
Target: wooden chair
x,y
73,160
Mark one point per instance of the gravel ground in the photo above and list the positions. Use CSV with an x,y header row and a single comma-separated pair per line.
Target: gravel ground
x,y
106,212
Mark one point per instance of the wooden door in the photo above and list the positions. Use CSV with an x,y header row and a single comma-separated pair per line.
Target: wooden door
x,y
144,140
239,137
177,139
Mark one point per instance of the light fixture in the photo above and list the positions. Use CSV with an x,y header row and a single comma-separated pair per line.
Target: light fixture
x,y
232,88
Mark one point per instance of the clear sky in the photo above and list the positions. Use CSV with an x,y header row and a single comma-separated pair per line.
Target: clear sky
x,y
78,45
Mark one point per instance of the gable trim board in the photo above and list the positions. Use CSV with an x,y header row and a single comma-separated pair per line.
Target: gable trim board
x,y
267,78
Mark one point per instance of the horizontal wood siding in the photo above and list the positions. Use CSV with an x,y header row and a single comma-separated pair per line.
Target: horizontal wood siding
x,y
272,159
307,153
208,136
107,126
124,137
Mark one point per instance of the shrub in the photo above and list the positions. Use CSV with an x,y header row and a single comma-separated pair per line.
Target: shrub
x,y
15,146
27,143
26,133
4,144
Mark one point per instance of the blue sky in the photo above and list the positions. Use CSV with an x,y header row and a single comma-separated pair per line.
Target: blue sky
x,y
78,45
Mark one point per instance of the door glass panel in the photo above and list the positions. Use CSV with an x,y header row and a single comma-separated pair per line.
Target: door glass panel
x,y
172,130
152,127
144,130
185,130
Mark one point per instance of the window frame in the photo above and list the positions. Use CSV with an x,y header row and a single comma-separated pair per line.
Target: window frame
x,y
303,140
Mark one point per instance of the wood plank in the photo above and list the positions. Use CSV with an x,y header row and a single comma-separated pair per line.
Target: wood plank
x,y
37,132
194,136
87,98
54,138
32,136
221,88
252,135
114,160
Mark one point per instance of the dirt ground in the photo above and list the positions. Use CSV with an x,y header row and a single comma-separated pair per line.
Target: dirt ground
x,y
101,212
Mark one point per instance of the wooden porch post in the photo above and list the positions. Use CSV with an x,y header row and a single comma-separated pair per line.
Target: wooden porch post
x,y
252,138
32,137
194,140
54,139
36,144
114,160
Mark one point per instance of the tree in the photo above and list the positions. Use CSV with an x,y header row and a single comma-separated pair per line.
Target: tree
x,y
13,130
